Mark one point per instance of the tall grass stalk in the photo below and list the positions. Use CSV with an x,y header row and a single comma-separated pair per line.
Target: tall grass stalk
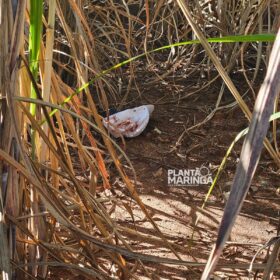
x,y
35,31
36,224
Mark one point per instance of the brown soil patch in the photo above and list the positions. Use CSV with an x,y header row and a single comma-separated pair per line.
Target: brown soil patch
x,y
163,146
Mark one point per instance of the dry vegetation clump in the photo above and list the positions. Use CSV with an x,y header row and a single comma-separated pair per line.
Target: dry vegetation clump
x,y
57,201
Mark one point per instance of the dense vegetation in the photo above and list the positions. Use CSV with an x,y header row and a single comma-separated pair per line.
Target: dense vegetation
x,y
62,63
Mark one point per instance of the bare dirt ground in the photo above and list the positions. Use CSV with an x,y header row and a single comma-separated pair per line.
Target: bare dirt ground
x,y
173,141
166,145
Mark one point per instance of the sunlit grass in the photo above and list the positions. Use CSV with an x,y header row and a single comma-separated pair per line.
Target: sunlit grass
x,y
54,208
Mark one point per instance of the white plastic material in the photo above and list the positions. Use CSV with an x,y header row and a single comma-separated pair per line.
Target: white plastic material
x,y
129,123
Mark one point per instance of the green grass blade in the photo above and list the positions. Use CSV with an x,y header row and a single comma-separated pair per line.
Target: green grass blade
x,y
222,165
36,11
226,39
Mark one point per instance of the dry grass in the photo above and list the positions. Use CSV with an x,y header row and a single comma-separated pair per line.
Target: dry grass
x,y
68,222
